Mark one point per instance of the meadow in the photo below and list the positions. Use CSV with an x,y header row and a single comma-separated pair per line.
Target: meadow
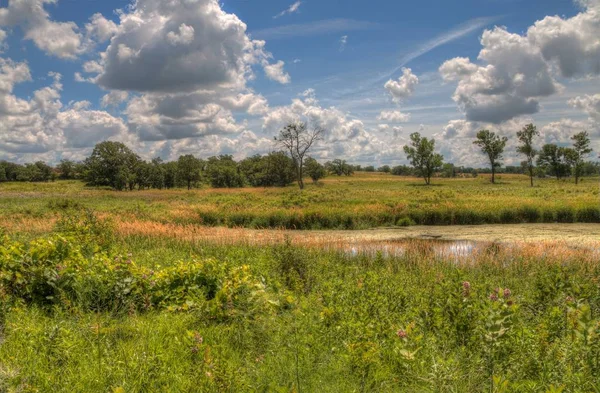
x,y
117,292
365,200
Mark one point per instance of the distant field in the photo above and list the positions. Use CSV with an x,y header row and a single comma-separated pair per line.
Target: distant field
x,y
358,202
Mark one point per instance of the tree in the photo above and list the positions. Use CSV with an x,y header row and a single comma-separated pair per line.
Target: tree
x,y
315,170
189,170
339,167
581,149
297,140
448,170
553,157
422,156
157,173
67,169
111,164
493,145
526,136
384,169
275,169
224,172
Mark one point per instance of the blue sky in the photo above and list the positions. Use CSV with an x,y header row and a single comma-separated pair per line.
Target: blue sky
x,y
209,78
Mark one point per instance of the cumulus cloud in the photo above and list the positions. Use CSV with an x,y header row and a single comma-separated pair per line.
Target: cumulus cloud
x,y
40,125
100,29
155,117
404,87
275,72
290,10
516,71
181,46
589,104
394,116
61,39
114,98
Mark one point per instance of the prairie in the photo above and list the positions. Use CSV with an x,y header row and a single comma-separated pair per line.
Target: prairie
x,y
104,291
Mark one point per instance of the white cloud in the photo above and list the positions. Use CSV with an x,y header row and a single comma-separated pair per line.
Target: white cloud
x,y
518,70
404,87
328,26
394,116
290,10
61,39
180,46
589,104
185,36
38,126
100,28
114,98
275,72
343,42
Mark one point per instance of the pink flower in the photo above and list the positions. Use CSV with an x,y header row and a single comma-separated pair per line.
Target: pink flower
x,y
493,297
507,293
402,333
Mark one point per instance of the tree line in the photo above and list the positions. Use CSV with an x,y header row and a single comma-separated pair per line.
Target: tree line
x,y
551,160
114,165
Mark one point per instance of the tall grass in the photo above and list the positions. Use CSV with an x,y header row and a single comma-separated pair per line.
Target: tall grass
x,y
84,312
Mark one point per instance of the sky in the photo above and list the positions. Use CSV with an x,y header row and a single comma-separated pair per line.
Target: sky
x,y
202,77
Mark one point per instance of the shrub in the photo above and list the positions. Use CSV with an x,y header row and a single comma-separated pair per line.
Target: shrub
x,y
588,215
565,215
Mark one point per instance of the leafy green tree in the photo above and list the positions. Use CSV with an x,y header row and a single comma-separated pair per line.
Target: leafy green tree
x,y
273,170
581,149
448,170
111,164
3,177
314,169
339,167
526,136
369,168
157,174
384,169
224,172
67,169
552,157
493,146
170,170
297,139
422,156
189,170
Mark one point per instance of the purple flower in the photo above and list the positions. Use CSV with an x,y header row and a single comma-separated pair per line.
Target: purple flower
x,y
507,293
402,333
494,296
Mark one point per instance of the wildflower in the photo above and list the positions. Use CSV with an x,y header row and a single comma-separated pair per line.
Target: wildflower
x,y
493,296
507,293
466,288
569,299
402,333
198,338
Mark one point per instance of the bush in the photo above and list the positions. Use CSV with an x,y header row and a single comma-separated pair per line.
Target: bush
x,y
565,215
588,215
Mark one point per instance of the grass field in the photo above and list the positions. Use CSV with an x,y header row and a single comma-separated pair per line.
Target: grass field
x,y
139,297
358,202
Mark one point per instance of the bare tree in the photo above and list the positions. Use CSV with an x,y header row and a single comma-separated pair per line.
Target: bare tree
x,y
297,139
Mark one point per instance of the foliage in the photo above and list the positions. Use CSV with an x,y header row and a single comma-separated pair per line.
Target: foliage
x,y
493,146
297,139
223,172
422,156
111,164
314,169
273,170
151,315
527,149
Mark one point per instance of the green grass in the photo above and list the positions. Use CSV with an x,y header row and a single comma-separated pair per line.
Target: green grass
x,y
359,202
84,310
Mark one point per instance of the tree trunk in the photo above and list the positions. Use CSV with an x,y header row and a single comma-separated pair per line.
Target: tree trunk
x,y
531,175
493,174
189,184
